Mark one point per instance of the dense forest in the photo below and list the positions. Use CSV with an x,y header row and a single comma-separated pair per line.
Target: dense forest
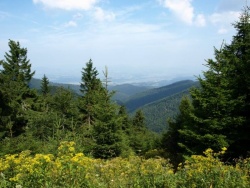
x,y
212,126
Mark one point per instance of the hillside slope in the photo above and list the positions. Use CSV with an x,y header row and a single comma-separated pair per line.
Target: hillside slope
x,y
157,113
124,91
141,99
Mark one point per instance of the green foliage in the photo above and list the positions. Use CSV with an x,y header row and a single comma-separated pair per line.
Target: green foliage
x,y
141,140
89,78
219,114
45,88
68,167
158,112
100,114
172,140
15,76
63,102
91,88
124,91
16,65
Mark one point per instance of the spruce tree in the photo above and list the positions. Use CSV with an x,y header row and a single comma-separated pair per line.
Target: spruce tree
x,y
139,120
16,65
141,139
100,114
45,88
89,78
172,141
89,88
123,115
221,106
107,129
15,76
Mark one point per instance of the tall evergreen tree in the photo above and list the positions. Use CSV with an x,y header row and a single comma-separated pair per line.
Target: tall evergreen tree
x,y
221,106
16,65
172,141
90,88
45,89
141,139
15,76
89,78
107,128
126,123
139,119
100,113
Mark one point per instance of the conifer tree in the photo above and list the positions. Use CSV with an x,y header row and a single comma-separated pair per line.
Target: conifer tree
x,y
172,141
107,128
126,123
221,106
139,119
100,113
90,88
5,110
15,76
141,139
89,78
16,65
45,89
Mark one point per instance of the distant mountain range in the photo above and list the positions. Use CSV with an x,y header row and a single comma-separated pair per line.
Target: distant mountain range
x,y
157,104
140,99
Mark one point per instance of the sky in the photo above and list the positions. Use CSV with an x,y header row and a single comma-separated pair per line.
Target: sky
x,y
137,40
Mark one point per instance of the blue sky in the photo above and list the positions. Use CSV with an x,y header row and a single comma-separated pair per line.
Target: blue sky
x,y
138,40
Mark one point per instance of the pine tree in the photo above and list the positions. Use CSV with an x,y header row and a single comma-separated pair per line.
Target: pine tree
x,y
90,88
107,128
15,76
221,106
16,65
172,141
45,89
89,78
139,120
126,123
141,139
5,110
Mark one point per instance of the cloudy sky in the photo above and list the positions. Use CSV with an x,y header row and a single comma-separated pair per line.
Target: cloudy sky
x,y
136,39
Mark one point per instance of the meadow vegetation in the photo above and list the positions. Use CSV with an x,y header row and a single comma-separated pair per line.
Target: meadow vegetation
x,y
69,168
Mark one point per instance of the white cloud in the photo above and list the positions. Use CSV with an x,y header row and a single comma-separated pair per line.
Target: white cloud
x,y
227,17
78,16
200,20
67,4
102,15
184,10
222,31
224,20
71,24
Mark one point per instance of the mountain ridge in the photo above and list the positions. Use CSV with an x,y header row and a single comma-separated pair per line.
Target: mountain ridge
x,y
138,100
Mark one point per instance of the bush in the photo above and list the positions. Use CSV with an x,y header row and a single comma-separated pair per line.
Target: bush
x,y
67,168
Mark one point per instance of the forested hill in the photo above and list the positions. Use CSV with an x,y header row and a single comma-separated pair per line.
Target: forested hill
x,y
157,113
124,91
149,96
